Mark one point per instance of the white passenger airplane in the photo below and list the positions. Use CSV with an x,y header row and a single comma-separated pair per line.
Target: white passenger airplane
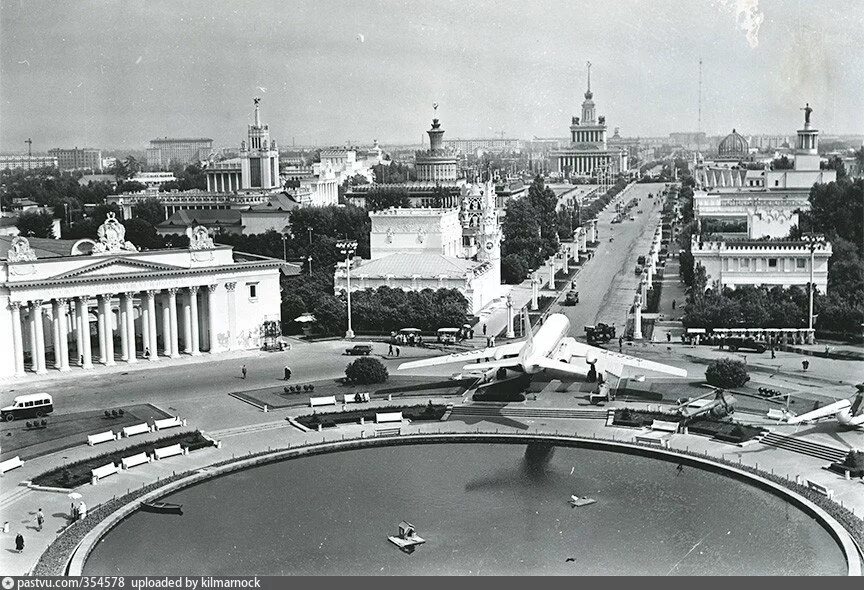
x,y
550,350
847,413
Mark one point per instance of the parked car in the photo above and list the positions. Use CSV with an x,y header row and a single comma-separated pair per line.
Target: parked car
x,y
572,298
638,269
362,349
632,218
745,344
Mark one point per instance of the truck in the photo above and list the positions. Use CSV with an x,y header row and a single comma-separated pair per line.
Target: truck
x,y
572,298
599,334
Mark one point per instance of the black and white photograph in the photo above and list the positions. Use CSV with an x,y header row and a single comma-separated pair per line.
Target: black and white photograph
x,y
430,288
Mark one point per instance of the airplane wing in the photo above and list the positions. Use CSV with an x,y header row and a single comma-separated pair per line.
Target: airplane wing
x,y
822,412
561,366
614,362
495,352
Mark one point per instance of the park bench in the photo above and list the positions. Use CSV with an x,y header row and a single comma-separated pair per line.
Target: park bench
x,y
818,487
775,414
102,472
169,451
95,439
329,400
653,438
388,432
383,417
10,464
142,428
664,426
168,423
134,460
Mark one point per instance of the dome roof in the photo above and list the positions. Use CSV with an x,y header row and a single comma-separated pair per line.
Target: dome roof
x,y
733,145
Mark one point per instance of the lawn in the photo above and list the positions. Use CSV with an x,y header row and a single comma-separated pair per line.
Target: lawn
x,y
79,473
397,387
68,430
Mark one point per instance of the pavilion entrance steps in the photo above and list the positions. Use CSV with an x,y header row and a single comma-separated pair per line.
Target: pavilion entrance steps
x,y
480,410
804,447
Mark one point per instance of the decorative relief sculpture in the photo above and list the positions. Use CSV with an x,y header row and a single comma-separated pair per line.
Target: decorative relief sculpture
x,y
111,237
421,235
200,239
20,250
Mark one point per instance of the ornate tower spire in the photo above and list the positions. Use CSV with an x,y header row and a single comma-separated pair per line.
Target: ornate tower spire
x,y
588,113
256,100
588,93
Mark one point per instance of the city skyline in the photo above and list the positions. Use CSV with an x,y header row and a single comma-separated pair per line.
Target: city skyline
x,y
135,73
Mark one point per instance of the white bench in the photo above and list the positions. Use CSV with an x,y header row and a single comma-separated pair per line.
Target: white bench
x,y
775,414
95,439
134,460
168,423
168,451
653,438
329,400
388,431
137,429
818,487
383,417
10,464
351,398
664,426
102,472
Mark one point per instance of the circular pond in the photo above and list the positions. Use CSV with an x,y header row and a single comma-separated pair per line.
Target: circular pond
x,y
482,508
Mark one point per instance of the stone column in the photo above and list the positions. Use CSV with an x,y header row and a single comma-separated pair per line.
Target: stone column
x,y
64,334
187,321
651,275
193,320
637,318
129,301
38,330
151,325
109,328
146,349
124,331
566,261
172,310
535,291
101,320
17,339
552,273
84,326
167,348
213,335
55,330
79,342
232,319
594,231
510,333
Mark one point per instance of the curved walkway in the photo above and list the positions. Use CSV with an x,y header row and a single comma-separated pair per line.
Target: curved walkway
x,y
840,534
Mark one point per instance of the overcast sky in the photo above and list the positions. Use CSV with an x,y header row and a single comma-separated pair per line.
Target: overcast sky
x,y
117,74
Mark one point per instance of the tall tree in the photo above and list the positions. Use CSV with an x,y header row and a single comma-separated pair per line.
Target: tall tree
x,y
37,224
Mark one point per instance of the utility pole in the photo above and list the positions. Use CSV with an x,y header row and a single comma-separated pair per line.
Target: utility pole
x,y
29,143
699,121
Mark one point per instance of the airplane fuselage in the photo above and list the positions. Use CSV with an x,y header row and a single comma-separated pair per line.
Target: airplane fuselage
x,y
545,342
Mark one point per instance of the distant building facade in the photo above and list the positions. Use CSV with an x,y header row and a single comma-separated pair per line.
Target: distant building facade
x,y
77,158
494,144
17,162
165,152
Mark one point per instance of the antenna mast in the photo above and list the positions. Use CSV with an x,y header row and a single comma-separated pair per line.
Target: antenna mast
x,y
699,122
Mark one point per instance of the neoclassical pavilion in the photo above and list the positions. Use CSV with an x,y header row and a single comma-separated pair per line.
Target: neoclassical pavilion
x,y
71,304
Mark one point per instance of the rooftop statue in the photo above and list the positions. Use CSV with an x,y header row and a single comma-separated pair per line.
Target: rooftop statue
x,y
20,250
111,237
200,239
807,110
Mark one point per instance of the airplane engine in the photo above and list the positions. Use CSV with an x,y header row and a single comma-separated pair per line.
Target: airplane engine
x,y
847,419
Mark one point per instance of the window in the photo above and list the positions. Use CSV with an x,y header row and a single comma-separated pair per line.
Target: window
x,y
772,263
745,263
800,263
253,290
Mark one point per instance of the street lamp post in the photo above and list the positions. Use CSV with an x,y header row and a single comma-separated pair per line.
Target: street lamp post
x,y
348,248
812,241
284,248
310,265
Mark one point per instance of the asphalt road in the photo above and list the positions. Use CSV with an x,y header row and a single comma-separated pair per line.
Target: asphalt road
x,y
607,282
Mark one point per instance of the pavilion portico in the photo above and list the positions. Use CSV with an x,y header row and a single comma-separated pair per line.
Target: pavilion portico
x,y
103,327
65,304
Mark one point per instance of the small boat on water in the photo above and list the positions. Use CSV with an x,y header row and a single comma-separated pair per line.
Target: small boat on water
x,y
407,539
162,507
578,501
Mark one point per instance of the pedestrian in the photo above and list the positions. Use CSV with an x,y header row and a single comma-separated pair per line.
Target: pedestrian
x,y
40,518
390,350
82,510
620,343
673,304
81,360
287,373
471,333
73,514
19,542
488,342
243,371
397,351
484,329
669,337
146,352
492,341
679,469
773,355
805,364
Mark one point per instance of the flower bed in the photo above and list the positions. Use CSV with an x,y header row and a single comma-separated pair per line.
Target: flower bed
x,y
639,418
330,419
853,463
726,431
79,473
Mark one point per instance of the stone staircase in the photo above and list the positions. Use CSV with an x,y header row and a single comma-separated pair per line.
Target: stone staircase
x,y
804,447
490,410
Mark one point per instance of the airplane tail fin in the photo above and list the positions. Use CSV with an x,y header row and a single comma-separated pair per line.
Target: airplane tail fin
x,y
528,348
857,405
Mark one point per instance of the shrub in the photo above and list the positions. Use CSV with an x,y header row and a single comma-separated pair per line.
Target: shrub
x,y
120,412
107,414
727,372
311,387
113,413
366,370
28,424
286,389
44,422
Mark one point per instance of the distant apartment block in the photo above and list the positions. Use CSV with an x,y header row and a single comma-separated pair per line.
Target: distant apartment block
x,y
494,144
77,158
165,152
15,161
